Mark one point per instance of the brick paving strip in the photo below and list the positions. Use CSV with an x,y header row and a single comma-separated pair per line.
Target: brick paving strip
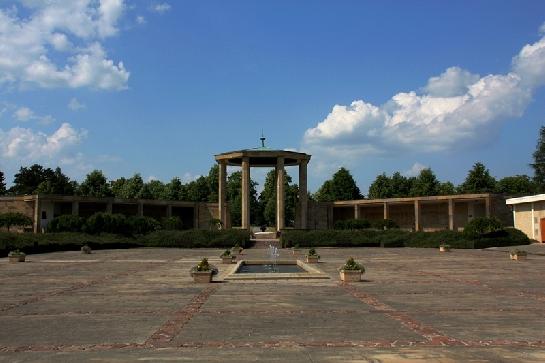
x,y
164,335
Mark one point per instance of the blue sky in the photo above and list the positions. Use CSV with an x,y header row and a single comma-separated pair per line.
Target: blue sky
x,y
159,87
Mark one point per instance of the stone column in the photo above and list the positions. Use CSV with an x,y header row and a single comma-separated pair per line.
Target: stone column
x,y
140,209
169,211
245,193
303,194
222,182
280,197
417,215
37,215
386,210
487,206
75,208
451,214
356,211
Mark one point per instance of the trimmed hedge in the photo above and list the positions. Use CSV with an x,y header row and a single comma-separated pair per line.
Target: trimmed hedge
x,y
398,238
49,242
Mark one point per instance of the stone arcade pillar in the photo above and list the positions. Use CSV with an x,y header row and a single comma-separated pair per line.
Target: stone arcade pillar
x,y
222,182
303,195
280,195
75,208
417,215
451,214
386,211
245,193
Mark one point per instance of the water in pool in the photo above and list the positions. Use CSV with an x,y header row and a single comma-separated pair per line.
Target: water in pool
x,y
269,268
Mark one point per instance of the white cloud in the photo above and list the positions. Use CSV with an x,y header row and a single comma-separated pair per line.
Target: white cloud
x,y
414,170
75,105
23,114
456,109
24,144
140,20
69,32
160,8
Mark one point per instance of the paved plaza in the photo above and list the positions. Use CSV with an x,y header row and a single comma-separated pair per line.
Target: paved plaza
x,y
415,305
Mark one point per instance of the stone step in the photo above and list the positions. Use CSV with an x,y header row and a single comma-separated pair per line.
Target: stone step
x,y
265,235
264,243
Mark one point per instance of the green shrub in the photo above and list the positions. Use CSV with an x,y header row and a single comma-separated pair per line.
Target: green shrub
x,y
384,224
172,224
352,224
483,226
142,225
352,265
196,238
66,223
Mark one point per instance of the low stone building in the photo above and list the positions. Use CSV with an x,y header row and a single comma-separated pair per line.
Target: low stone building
x,y
43,208
529,215
417,213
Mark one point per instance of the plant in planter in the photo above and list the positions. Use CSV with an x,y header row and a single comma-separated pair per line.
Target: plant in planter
x,y
203,272
295,250
86,250
16,256
236,249
518,254
444,247
312,256
227,257
351,271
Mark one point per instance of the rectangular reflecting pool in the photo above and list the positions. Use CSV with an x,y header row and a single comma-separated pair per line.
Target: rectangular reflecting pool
x,y
270,268
265,270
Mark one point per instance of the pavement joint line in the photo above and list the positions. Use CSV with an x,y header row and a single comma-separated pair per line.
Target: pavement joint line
x,y
498,343
74,287
172,327
478,283
432,335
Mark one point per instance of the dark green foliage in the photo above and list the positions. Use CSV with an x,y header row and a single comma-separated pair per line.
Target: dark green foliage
x,y
482,227
353,224
172,223
66,223
380,188
341,186
446,188
352,265
267,201
384,224
478,180
516,185
2,184
539,161
56,183
16,219
234,198
95,185
196,238
37,179
399,238
142,225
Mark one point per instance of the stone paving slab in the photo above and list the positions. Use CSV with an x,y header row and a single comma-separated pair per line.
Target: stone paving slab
x,y
415,305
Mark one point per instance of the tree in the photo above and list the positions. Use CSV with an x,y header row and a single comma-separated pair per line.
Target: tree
x,y
267,200
539,161
381,187
174,190
14,219
154,189
56,183
478,180
425,184
213,180
234,199
400,185
341,186
117,185
132,188
2,184
27,180
446,188
516,185
95,185
198,190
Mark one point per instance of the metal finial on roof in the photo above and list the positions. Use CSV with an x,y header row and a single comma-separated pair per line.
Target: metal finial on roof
x,y
262,138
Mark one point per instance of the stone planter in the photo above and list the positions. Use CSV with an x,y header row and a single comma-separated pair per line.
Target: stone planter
x,y
313,259
517,257
227,259
86,250
444,249
351,275
17,258
202,277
